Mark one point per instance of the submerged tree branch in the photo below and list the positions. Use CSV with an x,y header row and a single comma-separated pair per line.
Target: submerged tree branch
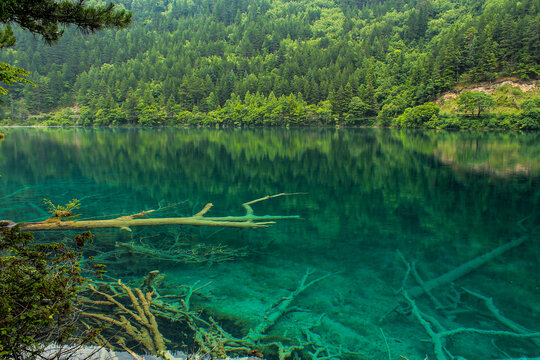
x,y
247,221
466,267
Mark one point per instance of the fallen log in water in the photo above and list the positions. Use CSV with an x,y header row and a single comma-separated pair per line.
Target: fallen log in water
x,y
247,221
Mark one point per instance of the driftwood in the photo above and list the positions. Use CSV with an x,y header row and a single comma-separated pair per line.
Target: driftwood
x,y
452,275
139,323
134,313
258,337
500,317
249,220
280,308
439,335
466,268
197,253
434,328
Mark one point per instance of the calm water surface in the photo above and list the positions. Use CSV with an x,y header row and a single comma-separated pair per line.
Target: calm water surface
x,y
438,198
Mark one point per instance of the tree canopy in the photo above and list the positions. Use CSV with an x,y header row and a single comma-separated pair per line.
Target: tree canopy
x,y
274,62
471,101
48,18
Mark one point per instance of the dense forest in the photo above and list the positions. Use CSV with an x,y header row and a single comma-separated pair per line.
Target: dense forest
x,y
278,62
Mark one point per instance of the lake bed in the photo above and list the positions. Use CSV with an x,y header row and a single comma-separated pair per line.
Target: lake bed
x,y
372,201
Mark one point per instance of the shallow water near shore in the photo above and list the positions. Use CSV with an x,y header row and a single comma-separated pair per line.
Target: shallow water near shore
x,y
368,198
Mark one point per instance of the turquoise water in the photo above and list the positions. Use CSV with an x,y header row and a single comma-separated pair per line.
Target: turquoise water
x,y
440,198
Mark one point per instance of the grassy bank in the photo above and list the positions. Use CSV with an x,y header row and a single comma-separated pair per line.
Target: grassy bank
x,y
508,99
503,105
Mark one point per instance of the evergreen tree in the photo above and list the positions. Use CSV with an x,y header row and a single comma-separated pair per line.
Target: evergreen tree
x,y
46,17
393,54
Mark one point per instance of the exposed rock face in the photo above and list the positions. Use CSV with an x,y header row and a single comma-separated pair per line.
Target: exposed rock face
x,y
489,88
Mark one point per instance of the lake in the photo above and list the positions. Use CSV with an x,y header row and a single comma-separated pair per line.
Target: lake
x,y
371,202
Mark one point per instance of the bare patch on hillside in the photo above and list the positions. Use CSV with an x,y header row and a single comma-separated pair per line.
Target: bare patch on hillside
x,y
489,88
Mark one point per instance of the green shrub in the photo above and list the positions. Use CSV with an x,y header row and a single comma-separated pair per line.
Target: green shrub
x,y
38,288
387,114
419,116
530,114
516,91
50,123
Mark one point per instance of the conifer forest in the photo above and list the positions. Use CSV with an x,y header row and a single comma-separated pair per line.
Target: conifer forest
x,y
269,179
283,63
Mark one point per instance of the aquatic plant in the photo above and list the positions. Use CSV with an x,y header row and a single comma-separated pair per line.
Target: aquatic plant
x,y
62,211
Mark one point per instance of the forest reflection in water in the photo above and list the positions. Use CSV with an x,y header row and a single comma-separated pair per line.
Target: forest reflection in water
x,y
440,198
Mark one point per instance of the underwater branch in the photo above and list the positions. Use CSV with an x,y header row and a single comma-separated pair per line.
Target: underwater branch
x,y
247,221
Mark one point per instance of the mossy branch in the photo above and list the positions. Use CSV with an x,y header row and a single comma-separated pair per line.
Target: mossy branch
x,y
144,328
247,221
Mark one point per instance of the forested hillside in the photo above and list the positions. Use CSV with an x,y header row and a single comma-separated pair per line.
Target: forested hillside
x,y
273,62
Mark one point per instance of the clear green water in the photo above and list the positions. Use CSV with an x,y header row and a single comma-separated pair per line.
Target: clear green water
x,y
441,198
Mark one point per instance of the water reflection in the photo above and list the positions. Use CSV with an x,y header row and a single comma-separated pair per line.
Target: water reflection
x,y
441,198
